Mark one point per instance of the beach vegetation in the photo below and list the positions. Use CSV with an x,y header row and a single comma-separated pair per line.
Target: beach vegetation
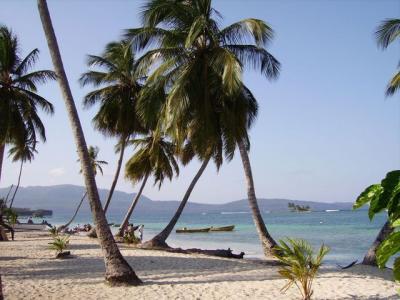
x,y
199,66
131,238
20,123
59,244
301,264
385,197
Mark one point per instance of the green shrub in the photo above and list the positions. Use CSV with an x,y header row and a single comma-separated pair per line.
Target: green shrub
x,y
53,231
300,264
130,238
59,244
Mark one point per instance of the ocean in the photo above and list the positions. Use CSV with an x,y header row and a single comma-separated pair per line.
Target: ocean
x,y
349,234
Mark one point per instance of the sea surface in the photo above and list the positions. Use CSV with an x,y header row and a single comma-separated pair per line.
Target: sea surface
x,y
349,234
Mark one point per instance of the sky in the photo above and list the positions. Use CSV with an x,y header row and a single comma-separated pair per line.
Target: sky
x,y
324,131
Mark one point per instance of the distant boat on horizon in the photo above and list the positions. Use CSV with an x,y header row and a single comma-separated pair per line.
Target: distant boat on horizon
x,y
331,210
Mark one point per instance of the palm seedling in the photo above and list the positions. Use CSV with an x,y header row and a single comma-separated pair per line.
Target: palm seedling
x,y
59,244
300,264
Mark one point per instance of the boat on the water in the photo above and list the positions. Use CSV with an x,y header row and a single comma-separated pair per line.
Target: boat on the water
x,y
31,226
223,228
192,230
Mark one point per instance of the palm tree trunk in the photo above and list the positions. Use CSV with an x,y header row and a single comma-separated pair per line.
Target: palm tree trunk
x,y
159,240
62,227
370,257
118,270
128,215
114,183
19,181
8,194
267,242
2,149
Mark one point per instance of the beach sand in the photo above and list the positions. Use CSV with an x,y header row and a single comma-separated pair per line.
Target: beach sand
x,y
29,271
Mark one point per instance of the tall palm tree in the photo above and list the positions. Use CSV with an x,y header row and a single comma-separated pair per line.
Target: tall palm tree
x,y
97,166
201,66
19,100
387,32
22,153
118,270
154,156
117,83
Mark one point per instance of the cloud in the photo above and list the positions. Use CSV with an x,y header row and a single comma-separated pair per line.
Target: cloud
x,y
57,172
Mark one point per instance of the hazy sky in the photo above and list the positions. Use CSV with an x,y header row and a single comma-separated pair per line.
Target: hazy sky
x,y
324,132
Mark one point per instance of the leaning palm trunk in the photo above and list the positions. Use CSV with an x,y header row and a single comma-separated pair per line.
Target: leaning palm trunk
x,y
62,227
159,240
2,149
92,233
267,241
370,257
118,270
114,183
17,187
8,194
128,215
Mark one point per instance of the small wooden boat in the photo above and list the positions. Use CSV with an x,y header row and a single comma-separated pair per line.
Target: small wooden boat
x,y
28,226
193,230
223,228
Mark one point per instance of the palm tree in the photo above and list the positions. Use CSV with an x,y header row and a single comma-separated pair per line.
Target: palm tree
x,y
97,166
387,32
154,156
22,153
19,119
118,270
201,67
118,85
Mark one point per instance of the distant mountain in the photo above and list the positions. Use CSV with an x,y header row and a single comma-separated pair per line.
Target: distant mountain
x,y
64,198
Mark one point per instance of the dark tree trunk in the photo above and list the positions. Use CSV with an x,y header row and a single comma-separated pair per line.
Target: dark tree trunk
x,y
159,240
128,215
267,242
114,183
118,270
8,194
370,257
19,181
2,149
62,227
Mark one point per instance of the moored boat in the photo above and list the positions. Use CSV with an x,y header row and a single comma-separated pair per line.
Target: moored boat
x,y
223,228
192,230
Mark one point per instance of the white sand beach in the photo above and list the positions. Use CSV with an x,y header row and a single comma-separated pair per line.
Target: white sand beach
x,y
29,271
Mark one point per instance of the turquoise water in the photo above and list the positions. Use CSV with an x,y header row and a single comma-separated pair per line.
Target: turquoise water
x,y
348,233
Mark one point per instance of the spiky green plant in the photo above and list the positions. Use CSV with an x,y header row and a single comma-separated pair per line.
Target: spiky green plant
x,y
53,231
300,264
130,238
59,244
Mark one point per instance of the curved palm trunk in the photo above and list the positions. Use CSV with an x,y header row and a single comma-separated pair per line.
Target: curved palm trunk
x,y
8,194
128,215
370,257
159,240
118,270
17,187
62,227
2,149
114,183
267,242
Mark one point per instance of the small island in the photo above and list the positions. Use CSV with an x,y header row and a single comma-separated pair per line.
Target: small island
x,y
298,208
37,213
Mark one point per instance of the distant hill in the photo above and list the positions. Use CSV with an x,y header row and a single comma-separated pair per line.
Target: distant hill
x,y
64,198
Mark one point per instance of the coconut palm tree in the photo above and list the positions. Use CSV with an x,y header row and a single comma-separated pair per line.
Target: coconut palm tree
x,y
387,32
117,83
20,101
201,66
97,166
118,270
22,153
154,156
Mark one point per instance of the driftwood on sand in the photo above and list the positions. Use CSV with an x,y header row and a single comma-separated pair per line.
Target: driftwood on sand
x,y
227,253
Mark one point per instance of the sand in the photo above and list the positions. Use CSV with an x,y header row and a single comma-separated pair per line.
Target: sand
x,y
29,271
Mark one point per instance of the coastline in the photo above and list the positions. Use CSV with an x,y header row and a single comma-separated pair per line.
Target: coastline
x,y
29,270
